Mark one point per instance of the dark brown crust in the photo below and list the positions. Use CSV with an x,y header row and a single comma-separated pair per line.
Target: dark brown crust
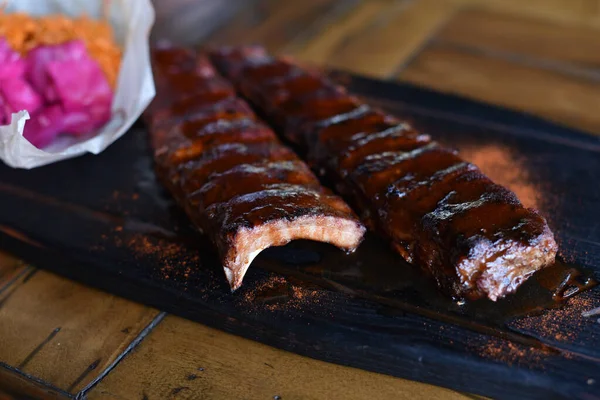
x,y
439,212
229,171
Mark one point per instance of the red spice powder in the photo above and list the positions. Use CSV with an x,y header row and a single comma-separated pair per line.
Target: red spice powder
x,y
173,257
562,324
278,294
501,165
511,353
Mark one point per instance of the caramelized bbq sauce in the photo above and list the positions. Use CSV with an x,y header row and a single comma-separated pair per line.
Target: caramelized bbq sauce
x,y
438,227
179,108
377,274
173,60
227,169
281,201
224,186
193,174
193,75
209,132
180,150
337,137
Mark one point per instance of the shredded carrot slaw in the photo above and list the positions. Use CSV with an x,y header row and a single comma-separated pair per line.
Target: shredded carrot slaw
x,y
24,32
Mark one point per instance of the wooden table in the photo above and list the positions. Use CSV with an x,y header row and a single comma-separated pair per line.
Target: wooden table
x,y
60,339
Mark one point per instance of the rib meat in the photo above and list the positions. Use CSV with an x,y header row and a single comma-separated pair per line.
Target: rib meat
x,y
230,173
438,211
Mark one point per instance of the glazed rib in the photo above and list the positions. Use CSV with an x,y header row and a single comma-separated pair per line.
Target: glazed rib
x,y
227,169
438,211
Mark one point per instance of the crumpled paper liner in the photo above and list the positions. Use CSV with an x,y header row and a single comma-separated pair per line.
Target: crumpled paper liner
x,y
131,21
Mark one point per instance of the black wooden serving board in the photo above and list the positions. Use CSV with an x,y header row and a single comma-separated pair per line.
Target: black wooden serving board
x,y
104,220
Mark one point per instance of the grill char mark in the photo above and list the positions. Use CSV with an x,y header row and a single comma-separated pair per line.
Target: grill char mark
x,y
438,211
227,169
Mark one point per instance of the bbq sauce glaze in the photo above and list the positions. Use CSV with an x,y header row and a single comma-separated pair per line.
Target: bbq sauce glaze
x,y
471,235
203,134
377,274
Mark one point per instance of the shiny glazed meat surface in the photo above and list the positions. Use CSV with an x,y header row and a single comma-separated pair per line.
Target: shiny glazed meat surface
x,y
474,237
236,181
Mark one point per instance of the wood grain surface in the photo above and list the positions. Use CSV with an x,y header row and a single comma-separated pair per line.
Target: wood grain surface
x,y
11,269
63,332
59,338
529,38
522,63
182,357
375,39
557,96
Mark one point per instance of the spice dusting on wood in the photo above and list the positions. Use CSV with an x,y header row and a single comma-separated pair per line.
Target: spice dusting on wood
x,y
511,353
502,166
562,324
173,257
178,262
278,294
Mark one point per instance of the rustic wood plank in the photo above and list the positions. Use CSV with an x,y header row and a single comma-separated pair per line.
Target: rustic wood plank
x,y
576,12
332,40
373,39
11,269
188,360
565,99
382,44
187,22
22,387
593,9
65,333
525,36
272,23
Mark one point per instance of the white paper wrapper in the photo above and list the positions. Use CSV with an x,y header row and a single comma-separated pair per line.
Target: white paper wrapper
x,y
131,21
